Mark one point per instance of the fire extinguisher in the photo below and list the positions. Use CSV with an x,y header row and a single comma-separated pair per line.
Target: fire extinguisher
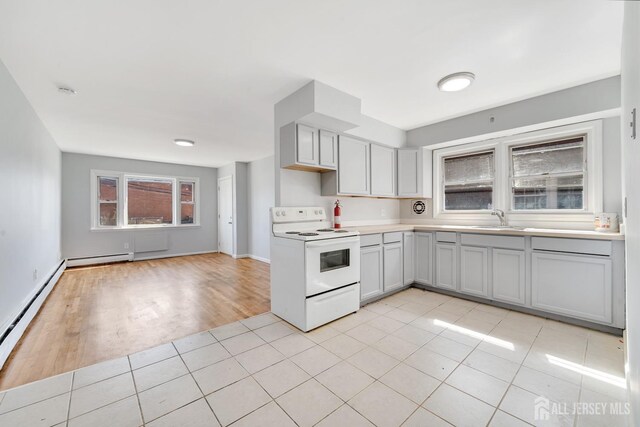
x,y
337,211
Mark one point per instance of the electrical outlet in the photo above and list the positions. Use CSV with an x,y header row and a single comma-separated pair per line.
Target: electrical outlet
x,y
126,245
35,274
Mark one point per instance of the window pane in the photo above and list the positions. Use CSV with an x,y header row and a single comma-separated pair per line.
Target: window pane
x,y
186,191
472,168
107,189
149,201
548,193
186,213
468,197
108,214
468,182
548,158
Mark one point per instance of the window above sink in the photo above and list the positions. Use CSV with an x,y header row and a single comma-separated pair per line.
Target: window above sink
x,y
548,176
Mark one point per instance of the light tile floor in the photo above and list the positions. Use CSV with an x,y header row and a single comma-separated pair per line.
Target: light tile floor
x,y
416,358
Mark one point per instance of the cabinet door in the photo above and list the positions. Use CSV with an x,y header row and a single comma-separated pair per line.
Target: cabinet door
x,y
474,266
408,256
508,276
353,170
307,145
383,171
328,149
446,265
370,272
408,167
424,258
392,266
573,285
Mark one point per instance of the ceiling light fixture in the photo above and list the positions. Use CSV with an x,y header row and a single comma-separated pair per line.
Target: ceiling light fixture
x,y
66,90
184,142
456,81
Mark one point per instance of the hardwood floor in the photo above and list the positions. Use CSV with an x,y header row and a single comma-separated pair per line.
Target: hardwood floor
x,y
103,312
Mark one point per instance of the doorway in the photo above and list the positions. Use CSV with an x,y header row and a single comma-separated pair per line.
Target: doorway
x,y
225,215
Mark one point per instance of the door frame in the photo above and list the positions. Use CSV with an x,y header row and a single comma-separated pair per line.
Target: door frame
x,y
233,216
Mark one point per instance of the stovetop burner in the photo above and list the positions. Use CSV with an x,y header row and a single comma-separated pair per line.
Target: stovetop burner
x,y
308,234
325,229
292,232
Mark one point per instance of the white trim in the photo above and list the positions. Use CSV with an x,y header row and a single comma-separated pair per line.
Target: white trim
x,y
261,259
16,333
78,262
502,191
239,256
122,201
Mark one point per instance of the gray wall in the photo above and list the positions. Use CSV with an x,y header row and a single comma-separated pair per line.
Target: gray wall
x,y
79,241
600,95
593,97
261,196
30,214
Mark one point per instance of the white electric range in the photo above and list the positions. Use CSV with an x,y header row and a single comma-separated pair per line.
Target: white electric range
x,y
315,269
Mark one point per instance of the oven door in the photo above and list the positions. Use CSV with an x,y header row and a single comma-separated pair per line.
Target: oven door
x,y
332,263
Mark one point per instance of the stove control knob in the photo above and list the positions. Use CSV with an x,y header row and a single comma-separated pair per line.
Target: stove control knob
x,y
317,212
284,213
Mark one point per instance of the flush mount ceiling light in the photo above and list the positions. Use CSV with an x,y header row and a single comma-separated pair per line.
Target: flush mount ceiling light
x,y
66,90
456,81
184,142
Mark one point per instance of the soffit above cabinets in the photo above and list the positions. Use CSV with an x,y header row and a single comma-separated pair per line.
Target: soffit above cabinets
x,y
147,73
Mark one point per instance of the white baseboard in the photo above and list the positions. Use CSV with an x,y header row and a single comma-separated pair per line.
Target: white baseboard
x,y
16,333
261,259
144,258
77,262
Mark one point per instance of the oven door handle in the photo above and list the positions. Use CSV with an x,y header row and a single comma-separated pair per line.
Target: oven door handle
x,y
333,242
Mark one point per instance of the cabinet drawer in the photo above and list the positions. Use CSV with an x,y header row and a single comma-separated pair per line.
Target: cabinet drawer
x,y
392,237
577,246
370,240
326,307
446,236
506,242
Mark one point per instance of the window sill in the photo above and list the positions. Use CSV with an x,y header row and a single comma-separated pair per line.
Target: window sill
x,y
146,228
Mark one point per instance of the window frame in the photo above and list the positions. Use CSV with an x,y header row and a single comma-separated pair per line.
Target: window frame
x,y
123,199
593,178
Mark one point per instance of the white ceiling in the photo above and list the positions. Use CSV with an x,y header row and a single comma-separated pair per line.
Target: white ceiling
x,y
149,71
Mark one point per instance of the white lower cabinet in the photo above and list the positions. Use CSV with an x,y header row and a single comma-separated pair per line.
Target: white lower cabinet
x,y
474,271
572,285
423,258
371,278
509,276
408,256
446,266
392,266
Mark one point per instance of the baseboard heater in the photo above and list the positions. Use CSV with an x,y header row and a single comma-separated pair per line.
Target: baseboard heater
x,y
14,331
102,259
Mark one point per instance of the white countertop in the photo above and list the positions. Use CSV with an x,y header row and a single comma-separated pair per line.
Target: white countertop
x,y
540,232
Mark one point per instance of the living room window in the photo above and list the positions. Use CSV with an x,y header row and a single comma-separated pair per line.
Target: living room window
x,y
124,200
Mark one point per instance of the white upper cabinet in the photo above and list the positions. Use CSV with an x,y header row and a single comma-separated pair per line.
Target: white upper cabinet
x,y
383,171
307,148
328,149
353,166
415,172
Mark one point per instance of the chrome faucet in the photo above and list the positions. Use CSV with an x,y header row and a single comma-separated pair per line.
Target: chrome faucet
x,y
500,214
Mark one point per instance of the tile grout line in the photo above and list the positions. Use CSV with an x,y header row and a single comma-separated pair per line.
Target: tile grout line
x,y
135,388
73,376
197,385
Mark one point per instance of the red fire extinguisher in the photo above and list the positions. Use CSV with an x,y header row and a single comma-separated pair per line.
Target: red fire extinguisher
x,y
337,211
